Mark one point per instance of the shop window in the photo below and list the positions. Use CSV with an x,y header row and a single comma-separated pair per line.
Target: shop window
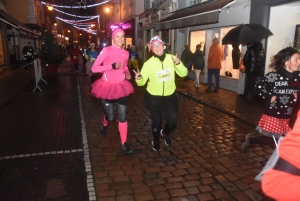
x,y
231,59
197,37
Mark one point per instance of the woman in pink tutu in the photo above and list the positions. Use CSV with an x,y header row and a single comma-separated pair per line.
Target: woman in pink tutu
x,y
113,86
279,90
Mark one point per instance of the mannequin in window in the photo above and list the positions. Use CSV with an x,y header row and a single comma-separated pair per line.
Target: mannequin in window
x,y
236,55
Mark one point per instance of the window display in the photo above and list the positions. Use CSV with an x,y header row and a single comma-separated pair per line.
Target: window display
x,y
232,57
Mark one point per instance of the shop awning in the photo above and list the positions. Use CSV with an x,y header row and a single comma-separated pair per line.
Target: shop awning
x,y
23,29
206,13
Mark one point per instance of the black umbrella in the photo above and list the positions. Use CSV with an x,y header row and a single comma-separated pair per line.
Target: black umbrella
x,y
246,33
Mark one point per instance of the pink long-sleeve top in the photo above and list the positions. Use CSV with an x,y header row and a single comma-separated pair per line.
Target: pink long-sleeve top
x,y
104,61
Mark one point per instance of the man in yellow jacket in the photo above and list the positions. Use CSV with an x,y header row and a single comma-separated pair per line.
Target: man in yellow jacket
x,y
160,97
214,62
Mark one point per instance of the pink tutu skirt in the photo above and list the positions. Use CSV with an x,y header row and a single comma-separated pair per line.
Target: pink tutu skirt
x,y
105,90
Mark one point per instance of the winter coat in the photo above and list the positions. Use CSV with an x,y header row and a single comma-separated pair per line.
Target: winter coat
x,y
160,75
215,57
133,55
186,56
198,60
254,59
283,85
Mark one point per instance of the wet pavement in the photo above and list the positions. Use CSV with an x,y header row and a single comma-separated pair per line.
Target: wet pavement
x,y
52,149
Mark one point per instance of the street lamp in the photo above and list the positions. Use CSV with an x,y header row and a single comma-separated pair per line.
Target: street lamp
x,y
105,24
50,7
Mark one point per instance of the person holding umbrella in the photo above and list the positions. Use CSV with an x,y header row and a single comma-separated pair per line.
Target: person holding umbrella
x,y
279,90
254,62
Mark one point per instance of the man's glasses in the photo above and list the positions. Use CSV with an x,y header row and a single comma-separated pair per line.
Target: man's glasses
x,y
154,46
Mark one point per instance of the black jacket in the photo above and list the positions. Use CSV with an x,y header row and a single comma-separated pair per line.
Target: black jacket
x,y
186,56
254,59
198,60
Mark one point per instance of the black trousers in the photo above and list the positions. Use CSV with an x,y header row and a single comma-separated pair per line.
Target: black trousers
x,y
250,82
28,60
159,106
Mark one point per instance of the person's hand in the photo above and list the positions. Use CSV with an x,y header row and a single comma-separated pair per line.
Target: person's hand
x,y
118,64
175,59
128,76
137,74
273,99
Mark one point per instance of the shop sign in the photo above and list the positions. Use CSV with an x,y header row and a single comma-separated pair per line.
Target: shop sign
x,y
26,34
146,21
154,18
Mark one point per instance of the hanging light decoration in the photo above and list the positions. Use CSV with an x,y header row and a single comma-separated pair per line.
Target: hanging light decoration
x,y
81,4
50,7
76,15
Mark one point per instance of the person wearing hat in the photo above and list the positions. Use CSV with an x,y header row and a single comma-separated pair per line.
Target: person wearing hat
x,y
160,97
114,87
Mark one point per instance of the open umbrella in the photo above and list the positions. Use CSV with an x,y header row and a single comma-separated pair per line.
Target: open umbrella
x,y
246,33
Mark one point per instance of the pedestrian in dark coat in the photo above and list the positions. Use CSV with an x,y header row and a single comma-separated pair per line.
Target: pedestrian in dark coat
x,y
254,62
186,58
198,63
28,55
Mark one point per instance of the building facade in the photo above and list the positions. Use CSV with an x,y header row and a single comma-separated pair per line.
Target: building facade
x,y
31,14
180,22
123,14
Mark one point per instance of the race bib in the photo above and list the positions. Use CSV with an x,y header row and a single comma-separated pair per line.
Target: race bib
x,y
164,75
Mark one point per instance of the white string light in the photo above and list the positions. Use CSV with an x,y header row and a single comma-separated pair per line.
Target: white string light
x,y
75,21
77,15
72,22
87,6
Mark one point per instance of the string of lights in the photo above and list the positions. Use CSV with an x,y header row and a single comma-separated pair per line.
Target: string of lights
x,y
72,22
95,16
76,21
82,4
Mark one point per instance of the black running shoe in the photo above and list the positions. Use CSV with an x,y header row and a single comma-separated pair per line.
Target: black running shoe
x,y
103,130
155,145
125,147
167,138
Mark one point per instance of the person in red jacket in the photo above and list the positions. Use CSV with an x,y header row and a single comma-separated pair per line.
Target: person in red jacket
x,y
283,181
75,57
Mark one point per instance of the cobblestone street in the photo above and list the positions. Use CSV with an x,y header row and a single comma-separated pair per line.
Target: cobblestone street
x,y
45,156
